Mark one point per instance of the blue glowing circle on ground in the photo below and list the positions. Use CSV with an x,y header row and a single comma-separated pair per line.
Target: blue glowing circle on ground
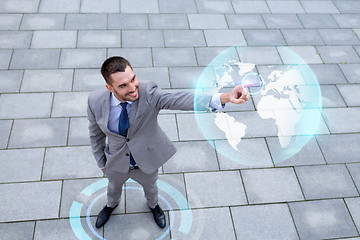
x,y
283,114
76,208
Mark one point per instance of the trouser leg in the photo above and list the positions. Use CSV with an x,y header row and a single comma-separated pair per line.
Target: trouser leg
x,y
114,188
148,182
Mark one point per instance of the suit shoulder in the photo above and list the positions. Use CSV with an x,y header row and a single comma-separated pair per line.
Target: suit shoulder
x,y
98,95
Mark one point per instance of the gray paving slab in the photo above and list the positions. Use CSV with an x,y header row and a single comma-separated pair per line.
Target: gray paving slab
x,y
192,157
342,120
357,48
98,39
348,20
285,7
259,55
5,128
69,162
302,37
322,219
142,38
271,185
35,59
5,56
245,21
21,165
251,153
19,6
310,154
39,133
331,96
160,75
353,205
271,221
172,194
347,7
86,21
207,21
250,6
53,6
281,21
330,181
187,77
168,21
354,169
43,21
188,133
220,38
100,6
203,225
338,36
205,55
338,54
351,71
44,204
55,48
214,6
10,81
328,73
127,21
54,229
54,39
25,105
318,21
122,226
70,104
82,58
10,21
72,192
15,39
319,7
184,38
307,53
203,189
47,80
79,132
138,57
168,125
349,93
17,231
267,37
139,6
174,6
347,151
88,79
182,57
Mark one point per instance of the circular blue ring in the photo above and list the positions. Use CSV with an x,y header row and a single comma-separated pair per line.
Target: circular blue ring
x,y
75,211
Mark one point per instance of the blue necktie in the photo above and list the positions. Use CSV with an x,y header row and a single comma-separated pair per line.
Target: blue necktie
x,y
124,126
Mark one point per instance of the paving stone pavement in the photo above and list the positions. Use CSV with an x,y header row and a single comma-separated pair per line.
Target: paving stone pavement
x,y
50,55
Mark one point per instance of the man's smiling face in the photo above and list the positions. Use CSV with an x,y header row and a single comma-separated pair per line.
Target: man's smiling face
x,y
124,85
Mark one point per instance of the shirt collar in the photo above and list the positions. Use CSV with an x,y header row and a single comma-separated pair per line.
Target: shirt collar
x,y
116,102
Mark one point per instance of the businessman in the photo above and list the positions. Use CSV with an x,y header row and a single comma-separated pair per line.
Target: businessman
x,y
125,114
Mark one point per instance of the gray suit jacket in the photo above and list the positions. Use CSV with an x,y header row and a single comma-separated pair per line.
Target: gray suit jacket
x,y
148,144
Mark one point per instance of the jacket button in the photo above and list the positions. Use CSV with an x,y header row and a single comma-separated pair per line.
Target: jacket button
x,y
127,154
128,140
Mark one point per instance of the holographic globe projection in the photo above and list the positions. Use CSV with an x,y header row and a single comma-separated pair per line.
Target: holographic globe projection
x,y
285,106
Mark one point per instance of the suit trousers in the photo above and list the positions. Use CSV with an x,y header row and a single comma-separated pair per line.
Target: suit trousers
x,y
117,180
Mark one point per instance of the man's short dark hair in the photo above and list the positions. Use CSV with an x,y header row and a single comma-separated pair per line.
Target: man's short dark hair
x,y
113,65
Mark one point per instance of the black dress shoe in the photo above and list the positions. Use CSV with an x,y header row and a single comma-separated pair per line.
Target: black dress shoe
x,y
159,216
104,216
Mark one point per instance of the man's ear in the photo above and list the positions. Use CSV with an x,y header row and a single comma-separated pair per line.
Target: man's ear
x,y
109,87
